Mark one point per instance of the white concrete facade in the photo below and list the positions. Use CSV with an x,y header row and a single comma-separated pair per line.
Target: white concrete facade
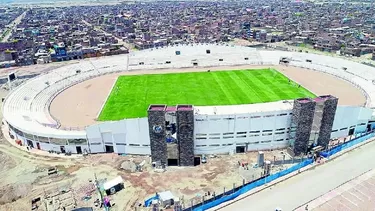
x,y
213,134
217,129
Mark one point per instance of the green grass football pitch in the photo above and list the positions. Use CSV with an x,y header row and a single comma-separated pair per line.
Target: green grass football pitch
x,y
131,95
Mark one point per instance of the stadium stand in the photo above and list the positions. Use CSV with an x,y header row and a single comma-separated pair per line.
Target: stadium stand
x,y
27,106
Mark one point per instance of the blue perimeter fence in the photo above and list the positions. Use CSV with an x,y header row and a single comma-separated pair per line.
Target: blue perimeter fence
x,y
149,201
358,139
234,193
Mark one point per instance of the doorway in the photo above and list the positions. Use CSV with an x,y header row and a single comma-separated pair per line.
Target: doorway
x,y
172,162
79,150
109,149
368,127
197,161
351,131
30,143
240,149
37,145
62,149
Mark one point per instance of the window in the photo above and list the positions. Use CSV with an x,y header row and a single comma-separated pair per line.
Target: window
x,y
121,144
200,134
353,126
267,131
255,117
29,136
257,142
134,145
230,133
215,119
284,114
334,131
268,141
344,128
255,135
77,141
242,117
44,140
255,131
271,115
279,129
215,134
92,144
229,118
243,136
239,144
200,120
266,134
145,145
279,133
280,140
200,138
226,137
230,144
362,124
214,145
241,132
200,145
214,138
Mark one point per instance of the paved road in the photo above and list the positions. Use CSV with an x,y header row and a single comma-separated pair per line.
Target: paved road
x,y
302,188
13,25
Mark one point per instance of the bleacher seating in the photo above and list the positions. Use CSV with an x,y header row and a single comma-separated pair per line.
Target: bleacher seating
x,y
27,106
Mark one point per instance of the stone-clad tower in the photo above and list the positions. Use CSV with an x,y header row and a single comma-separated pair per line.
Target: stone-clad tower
x,y
185,134
303,114
329,111
156,125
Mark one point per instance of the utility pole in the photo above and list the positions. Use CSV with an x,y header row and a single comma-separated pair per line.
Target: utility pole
x,y
98,188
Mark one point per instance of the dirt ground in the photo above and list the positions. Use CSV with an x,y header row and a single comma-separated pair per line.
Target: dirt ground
x,y
79,106
24,177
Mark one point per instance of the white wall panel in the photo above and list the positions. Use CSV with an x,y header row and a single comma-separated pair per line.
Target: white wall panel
x,y
96,148
214,150
107,138
141,150
242,123
144,137
93,132
47,147
71,148
119,138
346,116
119,148
365,114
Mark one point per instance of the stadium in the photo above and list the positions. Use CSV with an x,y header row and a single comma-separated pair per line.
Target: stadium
x,y
178,103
